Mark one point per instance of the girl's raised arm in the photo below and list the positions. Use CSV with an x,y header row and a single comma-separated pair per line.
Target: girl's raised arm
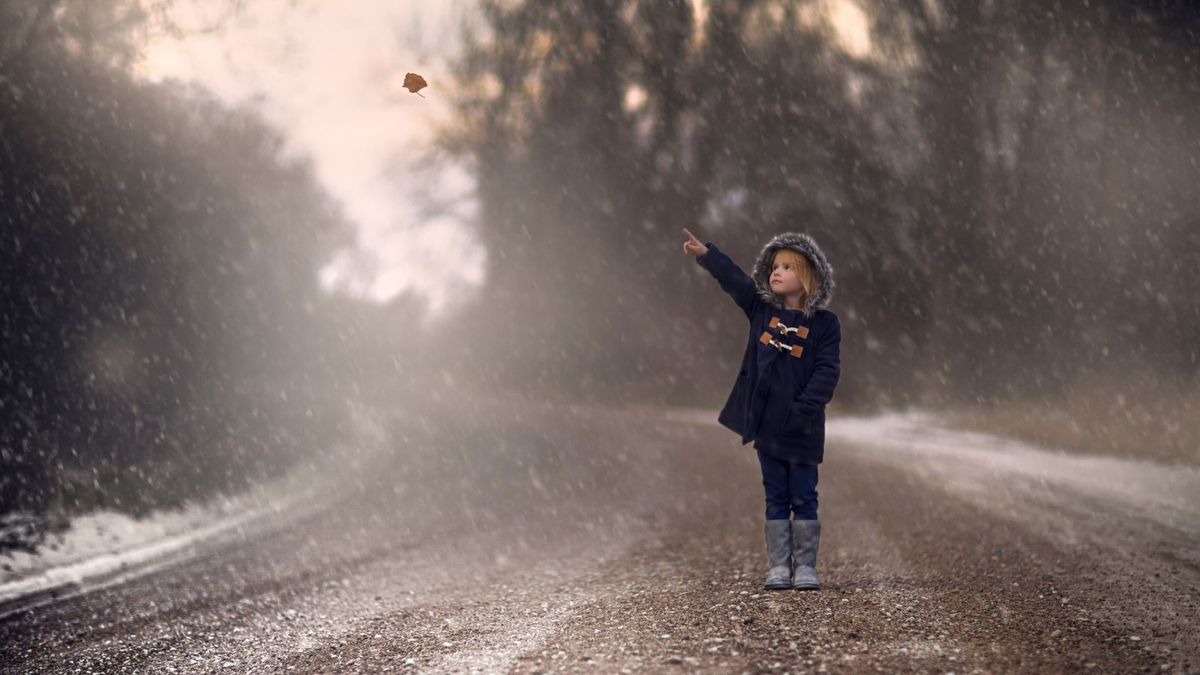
x,y
739,285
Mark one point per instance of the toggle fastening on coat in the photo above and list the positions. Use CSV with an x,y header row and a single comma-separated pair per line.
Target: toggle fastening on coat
x,y
792,361
768,339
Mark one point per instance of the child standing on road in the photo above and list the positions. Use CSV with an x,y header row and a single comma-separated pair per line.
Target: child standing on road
x,y
789,371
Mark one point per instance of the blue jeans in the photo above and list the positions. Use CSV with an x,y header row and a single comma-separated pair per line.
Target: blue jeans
x,y
790,488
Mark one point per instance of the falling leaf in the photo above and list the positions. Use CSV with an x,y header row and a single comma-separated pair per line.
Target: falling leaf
x,y
414,83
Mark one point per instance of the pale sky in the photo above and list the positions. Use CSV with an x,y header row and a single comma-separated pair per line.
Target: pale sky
x,y
329,75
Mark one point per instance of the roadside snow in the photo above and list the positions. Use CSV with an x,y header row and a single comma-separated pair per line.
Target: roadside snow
x,y
989,467
922,442
103,543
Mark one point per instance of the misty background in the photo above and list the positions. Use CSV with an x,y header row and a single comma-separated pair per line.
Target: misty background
x,y
1006,191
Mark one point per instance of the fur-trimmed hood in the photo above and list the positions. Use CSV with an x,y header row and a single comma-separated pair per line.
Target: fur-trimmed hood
x,y
804,245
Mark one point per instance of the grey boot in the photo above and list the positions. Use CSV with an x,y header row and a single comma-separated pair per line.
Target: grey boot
x,y
806,535
779,553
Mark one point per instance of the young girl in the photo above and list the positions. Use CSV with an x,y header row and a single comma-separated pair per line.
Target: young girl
x,y
789,371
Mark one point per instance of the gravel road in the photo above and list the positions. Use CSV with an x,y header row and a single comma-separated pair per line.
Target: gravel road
x,y
539,537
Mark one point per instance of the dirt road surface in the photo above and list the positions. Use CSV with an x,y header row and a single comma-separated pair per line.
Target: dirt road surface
x,y
537,537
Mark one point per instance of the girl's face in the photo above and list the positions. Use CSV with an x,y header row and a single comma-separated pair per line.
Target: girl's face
x,y
785,274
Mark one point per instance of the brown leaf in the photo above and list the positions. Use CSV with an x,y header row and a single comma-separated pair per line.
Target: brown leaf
x,y
414,83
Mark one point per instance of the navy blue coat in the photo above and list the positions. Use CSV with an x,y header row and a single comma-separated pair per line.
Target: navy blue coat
x,y
779,397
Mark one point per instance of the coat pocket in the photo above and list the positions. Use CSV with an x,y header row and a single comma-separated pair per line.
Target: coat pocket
x,y
796,423
741,389
733,413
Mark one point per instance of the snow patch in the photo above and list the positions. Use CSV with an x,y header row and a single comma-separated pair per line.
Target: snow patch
x,y
103,543
925,443
104,546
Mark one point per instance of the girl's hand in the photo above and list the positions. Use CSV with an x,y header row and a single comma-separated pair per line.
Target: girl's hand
x,y
693,246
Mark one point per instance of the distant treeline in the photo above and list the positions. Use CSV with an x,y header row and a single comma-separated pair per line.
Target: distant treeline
x,y
162,332
1006,190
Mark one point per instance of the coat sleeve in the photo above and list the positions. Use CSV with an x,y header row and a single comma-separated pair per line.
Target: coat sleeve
x,y
739,285
827,370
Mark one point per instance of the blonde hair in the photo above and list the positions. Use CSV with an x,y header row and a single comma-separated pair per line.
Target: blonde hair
x,y
805,271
